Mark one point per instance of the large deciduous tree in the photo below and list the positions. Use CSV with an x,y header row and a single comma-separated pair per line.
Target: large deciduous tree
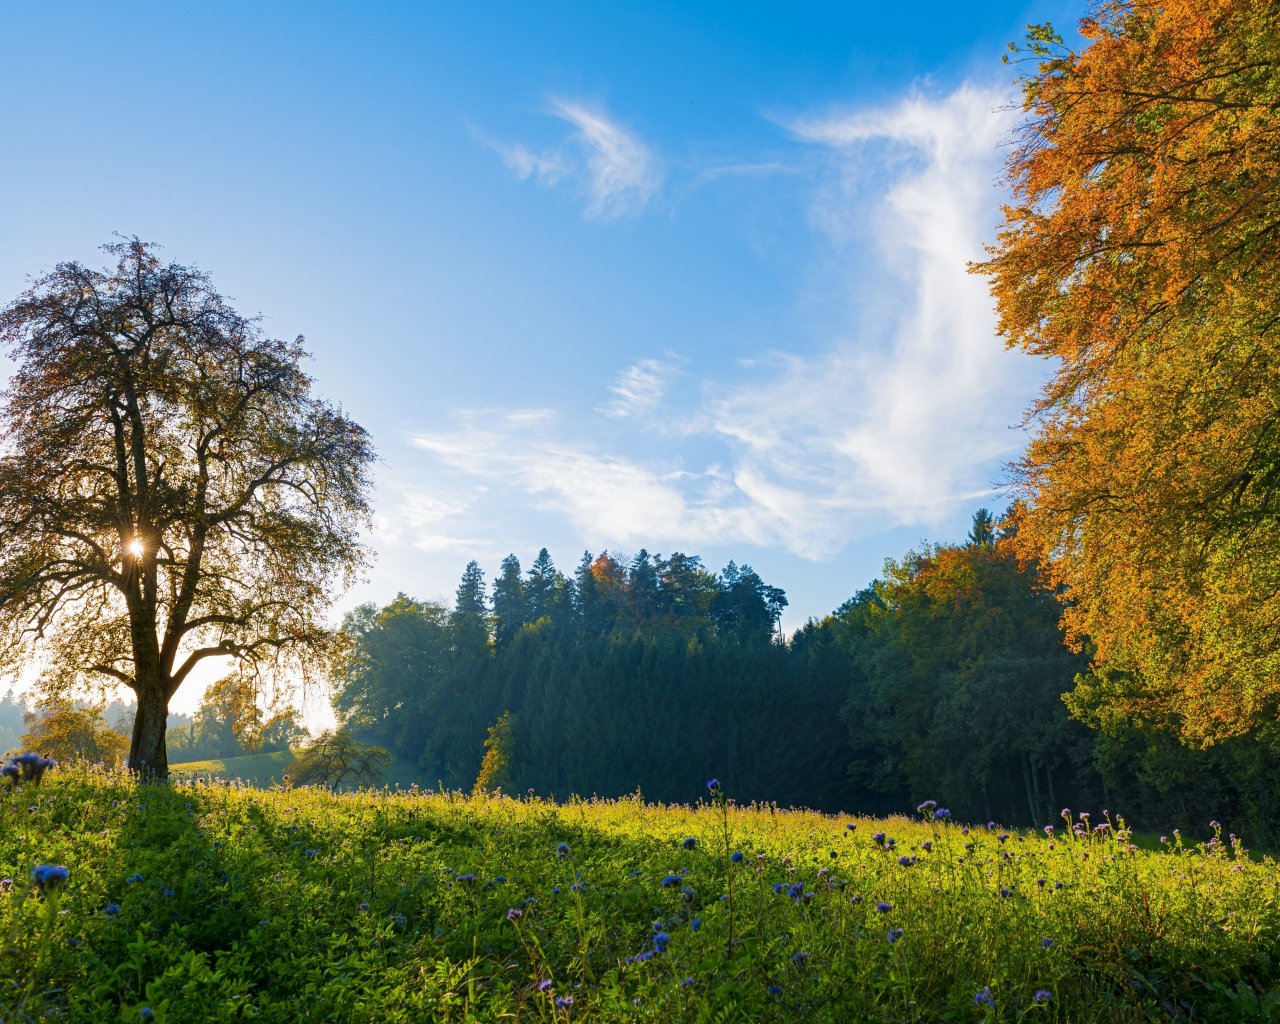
x,y
1141,252
170,489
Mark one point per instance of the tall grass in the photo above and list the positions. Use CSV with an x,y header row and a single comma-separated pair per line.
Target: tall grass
x,y
212,902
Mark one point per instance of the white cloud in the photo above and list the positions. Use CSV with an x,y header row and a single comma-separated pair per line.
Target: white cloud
x,y
639,388
900,419
615,169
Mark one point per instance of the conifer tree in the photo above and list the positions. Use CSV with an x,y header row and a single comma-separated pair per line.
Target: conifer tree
x,y
510,610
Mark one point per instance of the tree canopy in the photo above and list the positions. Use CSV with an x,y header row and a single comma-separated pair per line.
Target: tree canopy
x,y
170,489
1139,253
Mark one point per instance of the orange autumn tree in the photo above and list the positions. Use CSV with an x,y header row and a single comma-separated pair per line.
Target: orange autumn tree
x,y
1140,252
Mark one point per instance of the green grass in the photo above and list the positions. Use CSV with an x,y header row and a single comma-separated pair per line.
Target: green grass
x,y
262,770
223,902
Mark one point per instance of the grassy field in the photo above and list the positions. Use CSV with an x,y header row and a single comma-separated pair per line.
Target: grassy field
x,y
224,902
261,770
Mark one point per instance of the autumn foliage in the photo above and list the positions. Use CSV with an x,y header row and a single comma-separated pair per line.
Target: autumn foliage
x,y
1140,254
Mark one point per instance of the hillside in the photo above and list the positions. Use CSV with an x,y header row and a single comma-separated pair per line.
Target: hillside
x,y
261,770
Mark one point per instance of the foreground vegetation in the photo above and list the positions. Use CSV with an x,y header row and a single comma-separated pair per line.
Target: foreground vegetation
x,y
207,901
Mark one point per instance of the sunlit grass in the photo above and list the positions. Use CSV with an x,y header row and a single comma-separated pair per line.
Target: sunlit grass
x,y
278,904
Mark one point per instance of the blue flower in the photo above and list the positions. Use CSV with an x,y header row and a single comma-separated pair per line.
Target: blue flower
x,y
779,887
544,984
660,940
364,907
1003,836
694,925
689,843
984,997
926,807
147,1014
49,876
878,838
1057,885
774,990
713,784
562,851
671,881
1005,894
884,908
736,858
800,957
1043,996
688,893
796,891
1047,943
906,861
928,845
686,983
941,813
564,1002
513,914
851,827
894,934
112,909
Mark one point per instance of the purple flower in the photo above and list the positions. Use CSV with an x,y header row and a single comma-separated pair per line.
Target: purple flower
x,y
984,997
1047,943
513,914
851,827
878,838
146,1015
796,891
737,858
941,813
884,908
689,843
671,880
562,851
1005,894
1048,830
564,1002
713,784
894,934
112,909
927,845
544,984
465,879
1003,836
774,990
926,807
991,824
48,876
364,907
1043,996
800,957
906,861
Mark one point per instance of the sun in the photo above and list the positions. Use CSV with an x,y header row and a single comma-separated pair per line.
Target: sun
x,y
135,548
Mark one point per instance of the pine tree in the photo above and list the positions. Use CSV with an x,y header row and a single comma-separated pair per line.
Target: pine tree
x,y
471,591
544,588
642,584
510,610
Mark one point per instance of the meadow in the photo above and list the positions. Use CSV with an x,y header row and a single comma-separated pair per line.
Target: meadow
x,y
207,900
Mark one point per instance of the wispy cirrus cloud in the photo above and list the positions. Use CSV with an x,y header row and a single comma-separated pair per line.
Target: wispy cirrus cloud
x,y
615,171
901,417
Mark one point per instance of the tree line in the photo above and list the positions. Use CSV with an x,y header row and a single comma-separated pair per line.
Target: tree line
x,y
942,680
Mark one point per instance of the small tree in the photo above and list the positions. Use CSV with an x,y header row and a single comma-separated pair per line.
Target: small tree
x,y
64,731
335,757
170,490
495,769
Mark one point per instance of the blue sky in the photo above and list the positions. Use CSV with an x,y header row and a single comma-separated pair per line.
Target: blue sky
x,y
595,276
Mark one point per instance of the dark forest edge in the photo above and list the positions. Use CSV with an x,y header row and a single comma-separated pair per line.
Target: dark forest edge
x,y
947,678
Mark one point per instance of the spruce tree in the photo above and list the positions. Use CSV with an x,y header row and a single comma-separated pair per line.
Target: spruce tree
x,y
510,610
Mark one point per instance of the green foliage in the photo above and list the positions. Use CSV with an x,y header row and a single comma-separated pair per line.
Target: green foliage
x,y
216,903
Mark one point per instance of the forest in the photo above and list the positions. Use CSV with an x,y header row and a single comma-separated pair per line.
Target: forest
x,y
948,679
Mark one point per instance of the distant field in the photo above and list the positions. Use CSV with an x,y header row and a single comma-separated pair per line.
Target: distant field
x,y
261,770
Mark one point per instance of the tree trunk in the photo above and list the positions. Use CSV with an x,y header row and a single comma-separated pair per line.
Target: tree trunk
x,y
1053,797
1035,785
1026,778
147,752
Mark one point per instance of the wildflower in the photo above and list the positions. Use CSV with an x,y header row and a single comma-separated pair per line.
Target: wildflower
x,y
468,879
364,907
1057,885
688,893
906,861
564,1002
660,940
834,855
1084,815
399,919
513,914
941,813
984,998
884,908
736,858
694,925
1043,996
112,909
689,843
894,934
562,851
800,957
774,990
1048,830
927,845
10,771
1040,882
1003,836
147,1014
890,843
855,899
48,876
544,984
1047,943
135,878
796,891
671,880
1005,894
851,827
1164,839
779,887
964,831
878,839
686,983
713,785
991,824
926,807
